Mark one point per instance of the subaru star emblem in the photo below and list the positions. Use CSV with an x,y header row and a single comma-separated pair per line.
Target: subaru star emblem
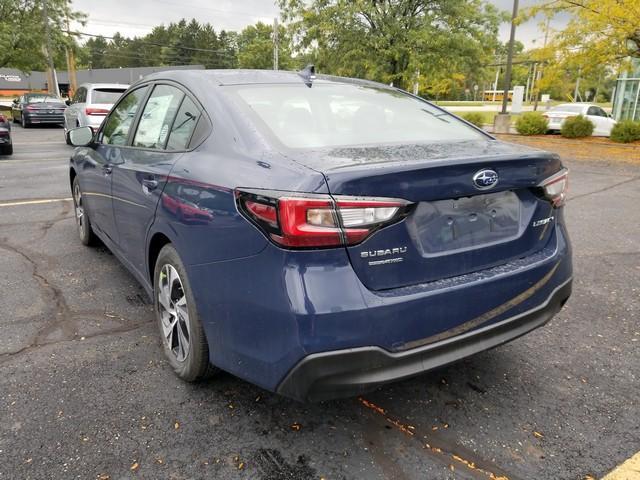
x,y
485,179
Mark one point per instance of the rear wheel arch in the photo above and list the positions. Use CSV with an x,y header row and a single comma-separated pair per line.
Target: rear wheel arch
x,y
158,240
72,176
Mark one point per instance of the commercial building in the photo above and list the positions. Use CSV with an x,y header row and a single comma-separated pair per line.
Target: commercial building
x,y
15,82
627,95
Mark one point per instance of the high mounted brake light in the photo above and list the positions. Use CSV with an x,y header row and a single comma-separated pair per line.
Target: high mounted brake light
x,y
555,187
314,221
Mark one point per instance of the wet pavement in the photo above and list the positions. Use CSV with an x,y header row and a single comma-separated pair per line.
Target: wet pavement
x,y
85,392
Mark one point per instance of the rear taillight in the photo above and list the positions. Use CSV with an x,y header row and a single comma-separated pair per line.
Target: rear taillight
x,y
314,221
96,111
555,187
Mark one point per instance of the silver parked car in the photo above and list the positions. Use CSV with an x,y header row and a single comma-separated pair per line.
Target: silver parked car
x,y
90,105
602,121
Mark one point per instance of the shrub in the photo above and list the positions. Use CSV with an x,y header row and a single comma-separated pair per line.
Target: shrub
x,y
474,117
576,127
532,123
626,131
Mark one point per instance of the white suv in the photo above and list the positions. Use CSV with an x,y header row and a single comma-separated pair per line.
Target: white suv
x,y
90,105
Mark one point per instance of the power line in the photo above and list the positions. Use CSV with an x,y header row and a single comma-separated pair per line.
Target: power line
x,y
146,42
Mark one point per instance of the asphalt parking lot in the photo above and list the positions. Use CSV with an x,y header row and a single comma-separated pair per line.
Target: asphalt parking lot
x,y
85,391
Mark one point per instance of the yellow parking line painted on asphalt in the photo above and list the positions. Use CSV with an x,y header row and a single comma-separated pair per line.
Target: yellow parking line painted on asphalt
x,y
34,202
629,470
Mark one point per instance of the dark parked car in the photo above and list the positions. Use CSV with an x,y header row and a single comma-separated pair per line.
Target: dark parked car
x,y
6,145
320,236
32,108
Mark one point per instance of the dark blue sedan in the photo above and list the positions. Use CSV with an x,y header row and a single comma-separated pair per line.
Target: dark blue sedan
x,y
320,236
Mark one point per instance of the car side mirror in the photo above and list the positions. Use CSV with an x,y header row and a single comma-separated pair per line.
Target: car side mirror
x,y
67,102
81,137
15,100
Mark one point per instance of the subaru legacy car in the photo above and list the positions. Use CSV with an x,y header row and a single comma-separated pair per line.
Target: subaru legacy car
x,y
320,236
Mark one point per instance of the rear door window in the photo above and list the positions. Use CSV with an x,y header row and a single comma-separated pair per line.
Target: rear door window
x,y
184,125
118,124
157,117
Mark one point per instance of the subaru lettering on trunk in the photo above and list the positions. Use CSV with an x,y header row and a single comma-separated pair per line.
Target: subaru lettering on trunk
x,y
320,236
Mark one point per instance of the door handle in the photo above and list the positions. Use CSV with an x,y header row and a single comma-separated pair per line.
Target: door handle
x,y
149,184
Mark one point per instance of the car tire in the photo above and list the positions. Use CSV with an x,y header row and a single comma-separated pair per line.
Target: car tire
x,y
183,339
83,223
66,137
24,122
7,150
15,119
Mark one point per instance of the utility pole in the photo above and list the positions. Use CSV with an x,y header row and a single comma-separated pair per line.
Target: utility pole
x,y
52,78
544,45
507,75
71,66
576,93
527,89
275,43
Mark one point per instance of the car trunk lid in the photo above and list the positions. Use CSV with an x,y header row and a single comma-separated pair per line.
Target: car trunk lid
x,y
454,226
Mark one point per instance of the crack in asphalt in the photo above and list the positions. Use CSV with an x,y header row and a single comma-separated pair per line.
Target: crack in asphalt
x,y
5,357
61,312
605,189
64,319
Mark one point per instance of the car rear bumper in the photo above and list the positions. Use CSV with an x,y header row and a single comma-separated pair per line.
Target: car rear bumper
x,y
265,314
348,372
53,118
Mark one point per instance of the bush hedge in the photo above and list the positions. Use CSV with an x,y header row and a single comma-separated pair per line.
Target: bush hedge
x,y
532,123
626,131
474,117
576,127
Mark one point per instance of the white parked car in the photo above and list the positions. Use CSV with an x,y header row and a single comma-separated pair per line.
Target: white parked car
x,y
602,121
90,105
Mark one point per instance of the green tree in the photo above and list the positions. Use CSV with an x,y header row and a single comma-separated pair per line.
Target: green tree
x,y
22,31
255,47
447,41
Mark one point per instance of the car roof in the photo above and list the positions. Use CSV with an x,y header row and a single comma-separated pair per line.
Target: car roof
x,y
105,85
256,77
580,104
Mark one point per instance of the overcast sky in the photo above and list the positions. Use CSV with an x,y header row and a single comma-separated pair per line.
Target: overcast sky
x,y
138,17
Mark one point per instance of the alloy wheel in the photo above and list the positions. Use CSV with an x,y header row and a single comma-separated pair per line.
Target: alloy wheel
x,y
80,220
174,316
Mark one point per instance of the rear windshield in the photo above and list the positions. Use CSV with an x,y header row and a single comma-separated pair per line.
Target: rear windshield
x,y
106,95
568,108
41,99
333,115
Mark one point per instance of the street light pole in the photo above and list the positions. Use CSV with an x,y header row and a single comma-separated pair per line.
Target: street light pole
x,y
507,75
